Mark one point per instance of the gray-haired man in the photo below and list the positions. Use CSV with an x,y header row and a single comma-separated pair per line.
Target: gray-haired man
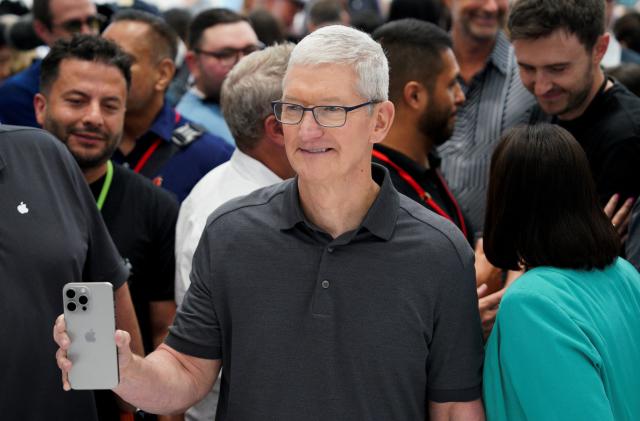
x,y
328,296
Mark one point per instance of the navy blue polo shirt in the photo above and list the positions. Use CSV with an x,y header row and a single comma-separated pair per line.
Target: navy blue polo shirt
x,y
16,97
368,326
187,165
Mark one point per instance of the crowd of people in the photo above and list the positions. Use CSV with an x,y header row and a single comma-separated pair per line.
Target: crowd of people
x,y
325,209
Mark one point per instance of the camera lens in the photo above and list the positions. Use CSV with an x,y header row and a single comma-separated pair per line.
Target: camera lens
x,y
71,306
83,299
71,293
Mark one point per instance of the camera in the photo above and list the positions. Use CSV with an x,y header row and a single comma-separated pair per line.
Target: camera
x,y
76,298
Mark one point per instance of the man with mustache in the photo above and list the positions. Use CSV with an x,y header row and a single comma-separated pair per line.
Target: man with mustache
x,y
84,84
559,45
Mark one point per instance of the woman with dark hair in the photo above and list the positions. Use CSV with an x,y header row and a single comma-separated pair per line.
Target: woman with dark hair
x,y
566,342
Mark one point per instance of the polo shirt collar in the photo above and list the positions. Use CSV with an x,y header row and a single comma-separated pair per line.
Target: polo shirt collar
x,y
500,55
164,123
380,220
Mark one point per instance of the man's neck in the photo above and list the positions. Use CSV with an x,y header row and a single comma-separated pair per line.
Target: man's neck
x,y
93,174
471,53
406,139
138,123
338,206
598,80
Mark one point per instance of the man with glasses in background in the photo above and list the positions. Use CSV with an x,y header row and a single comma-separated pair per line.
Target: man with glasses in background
x,y
52,20
218,39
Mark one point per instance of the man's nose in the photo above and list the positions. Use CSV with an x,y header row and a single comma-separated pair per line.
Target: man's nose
x,y
309,127
542,84
93,115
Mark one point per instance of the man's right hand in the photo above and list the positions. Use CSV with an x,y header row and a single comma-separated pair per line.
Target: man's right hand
x,y
123,341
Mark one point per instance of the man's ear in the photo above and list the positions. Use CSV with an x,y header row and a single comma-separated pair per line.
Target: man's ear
x,y
166,71
384,113
599,50
40,107
273,130
192,63
415,95
43,32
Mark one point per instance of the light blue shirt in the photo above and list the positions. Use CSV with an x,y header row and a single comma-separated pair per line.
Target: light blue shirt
x,y
207,114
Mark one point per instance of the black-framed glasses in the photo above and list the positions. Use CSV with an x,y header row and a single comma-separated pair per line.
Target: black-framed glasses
x,y
325,115
230,56
74,26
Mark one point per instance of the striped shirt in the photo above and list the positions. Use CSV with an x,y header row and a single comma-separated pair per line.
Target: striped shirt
x,y
496,101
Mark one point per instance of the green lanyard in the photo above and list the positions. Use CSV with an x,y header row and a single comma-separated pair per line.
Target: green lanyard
x,y
105,186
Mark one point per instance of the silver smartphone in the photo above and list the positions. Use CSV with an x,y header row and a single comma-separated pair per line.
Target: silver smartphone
x,y
90,318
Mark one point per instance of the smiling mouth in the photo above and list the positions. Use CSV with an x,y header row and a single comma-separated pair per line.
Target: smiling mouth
x,y
315,150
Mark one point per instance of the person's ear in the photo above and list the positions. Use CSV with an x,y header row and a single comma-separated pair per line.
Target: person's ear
x,y
191,59
384,113
599,50
166,71
40,108
273,130
415,95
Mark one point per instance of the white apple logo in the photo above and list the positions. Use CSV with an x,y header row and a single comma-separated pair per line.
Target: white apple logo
x,y
22,208
90,336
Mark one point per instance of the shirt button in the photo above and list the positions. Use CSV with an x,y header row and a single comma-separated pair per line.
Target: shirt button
x,y
330,249
325,284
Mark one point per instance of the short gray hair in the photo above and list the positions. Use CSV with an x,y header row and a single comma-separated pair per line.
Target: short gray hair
x,y
248,90
337,44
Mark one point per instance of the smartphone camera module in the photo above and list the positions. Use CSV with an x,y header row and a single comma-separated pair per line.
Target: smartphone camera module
x,y
71,293
83,300
71,306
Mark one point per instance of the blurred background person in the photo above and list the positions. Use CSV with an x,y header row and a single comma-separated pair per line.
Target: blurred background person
x,y
52,20
326,12
266,27
158,142
218,38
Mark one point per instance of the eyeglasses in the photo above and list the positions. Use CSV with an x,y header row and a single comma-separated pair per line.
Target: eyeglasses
x,y
230,56
325,115
75,25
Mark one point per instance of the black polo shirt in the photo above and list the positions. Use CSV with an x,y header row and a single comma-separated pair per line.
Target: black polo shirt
x,y
50,233
367,326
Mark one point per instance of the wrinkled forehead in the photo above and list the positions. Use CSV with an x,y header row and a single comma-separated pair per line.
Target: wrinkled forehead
x,y
313,82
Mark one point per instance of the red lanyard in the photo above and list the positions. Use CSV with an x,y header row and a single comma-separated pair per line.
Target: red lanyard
x,y
424,195
147,154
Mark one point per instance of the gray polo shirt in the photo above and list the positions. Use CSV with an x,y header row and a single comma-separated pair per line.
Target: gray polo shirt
x,y
51,233
369,325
